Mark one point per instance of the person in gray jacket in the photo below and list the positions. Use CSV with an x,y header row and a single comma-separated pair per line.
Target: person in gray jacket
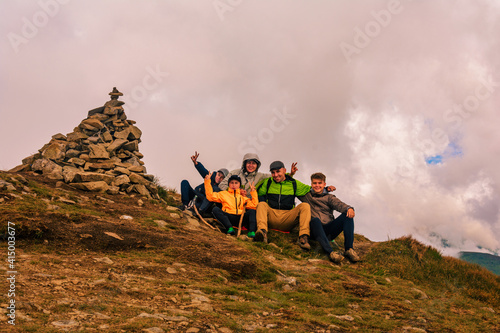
x,y
324,226
248,173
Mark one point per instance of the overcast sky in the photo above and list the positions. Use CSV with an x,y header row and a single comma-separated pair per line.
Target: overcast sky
x,y
395,101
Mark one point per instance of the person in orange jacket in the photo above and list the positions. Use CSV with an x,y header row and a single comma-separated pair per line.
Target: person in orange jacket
x,y
233,204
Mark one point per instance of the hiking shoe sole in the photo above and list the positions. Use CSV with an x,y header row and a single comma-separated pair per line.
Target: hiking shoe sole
x,y
336,257
351,256
304,242
260,236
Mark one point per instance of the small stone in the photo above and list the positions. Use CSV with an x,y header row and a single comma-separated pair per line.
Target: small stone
x,y
101,316
345,317
161,223
65,323
171,270
153,330
420,294
98,186
104,260
98,151
126,217
147,315
112,234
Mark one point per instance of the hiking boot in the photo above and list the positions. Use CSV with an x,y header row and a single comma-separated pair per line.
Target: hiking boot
x,y
336,257
231,231
251,234
182,207
304,242
260,236
351,255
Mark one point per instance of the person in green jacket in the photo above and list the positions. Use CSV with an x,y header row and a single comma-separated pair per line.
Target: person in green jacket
x,y
276,209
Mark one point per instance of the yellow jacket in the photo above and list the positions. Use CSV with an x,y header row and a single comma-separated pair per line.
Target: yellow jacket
x,y
232,201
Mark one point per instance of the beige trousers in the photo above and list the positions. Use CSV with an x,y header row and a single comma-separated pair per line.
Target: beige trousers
x,y
284,220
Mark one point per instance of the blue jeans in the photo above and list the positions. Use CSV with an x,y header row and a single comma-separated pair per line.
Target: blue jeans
x,y
188,193
323,233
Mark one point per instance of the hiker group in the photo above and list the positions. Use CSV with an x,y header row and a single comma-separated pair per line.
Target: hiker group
x,y
262,201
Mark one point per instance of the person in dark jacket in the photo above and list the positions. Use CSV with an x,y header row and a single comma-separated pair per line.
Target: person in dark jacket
x,y
188,193
324,226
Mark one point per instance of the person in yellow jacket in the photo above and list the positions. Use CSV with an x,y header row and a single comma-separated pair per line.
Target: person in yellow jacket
x,y
233,204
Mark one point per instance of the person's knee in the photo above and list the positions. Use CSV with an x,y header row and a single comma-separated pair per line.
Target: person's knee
x,y
251,212
262,206
304,207
315,221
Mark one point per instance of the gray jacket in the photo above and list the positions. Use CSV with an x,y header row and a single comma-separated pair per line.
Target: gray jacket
x,y
323,205
246,177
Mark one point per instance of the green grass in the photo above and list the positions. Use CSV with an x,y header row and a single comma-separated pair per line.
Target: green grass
x,y
408,259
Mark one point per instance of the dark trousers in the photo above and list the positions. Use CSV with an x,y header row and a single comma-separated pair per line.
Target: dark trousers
x,y
232,220
188,193
324,233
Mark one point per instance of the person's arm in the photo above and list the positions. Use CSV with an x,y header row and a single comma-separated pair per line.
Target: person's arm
x,y
337,204
199,167
306,197
302,189
211,196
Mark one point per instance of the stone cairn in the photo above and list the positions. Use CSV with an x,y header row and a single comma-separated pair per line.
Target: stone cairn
x,y
101,154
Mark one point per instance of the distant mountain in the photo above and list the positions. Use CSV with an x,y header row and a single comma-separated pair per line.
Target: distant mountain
x,y
488,261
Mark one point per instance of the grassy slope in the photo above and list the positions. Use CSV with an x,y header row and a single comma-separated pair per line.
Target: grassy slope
x,y
189,277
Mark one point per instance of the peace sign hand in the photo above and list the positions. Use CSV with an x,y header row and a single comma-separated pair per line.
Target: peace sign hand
x,y
195,157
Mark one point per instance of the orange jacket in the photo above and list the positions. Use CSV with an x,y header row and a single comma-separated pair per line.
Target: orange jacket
x,y
232,201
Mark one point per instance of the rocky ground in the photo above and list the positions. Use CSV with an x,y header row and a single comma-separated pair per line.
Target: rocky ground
x,y
120,263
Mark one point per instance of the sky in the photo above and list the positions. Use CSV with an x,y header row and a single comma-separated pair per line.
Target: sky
x,y
394,101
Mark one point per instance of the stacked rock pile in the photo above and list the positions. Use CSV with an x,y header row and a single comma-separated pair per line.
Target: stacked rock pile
x,y
101,154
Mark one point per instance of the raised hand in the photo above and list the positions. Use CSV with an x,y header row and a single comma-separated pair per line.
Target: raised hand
x,y
252,186
208,176
195,157
293,169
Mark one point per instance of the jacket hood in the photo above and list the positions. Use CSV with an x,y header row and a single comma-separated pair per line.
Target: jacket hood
x,y
250,156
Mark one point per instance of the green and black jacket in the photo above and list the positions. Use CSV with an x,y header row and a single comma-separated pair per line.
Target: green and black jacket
x,y
281,195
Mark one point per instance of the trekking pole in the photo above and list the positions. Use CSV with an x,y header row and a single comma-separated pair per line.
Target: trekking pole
x,y
201,218
241,220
